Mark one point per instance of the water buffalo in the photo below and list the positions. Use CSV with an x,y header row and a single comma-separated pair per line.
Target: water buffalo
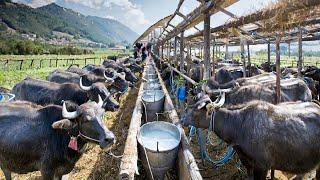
x,y
265,136
60,76
45,92
98,70
48,139
112,64
227,74
132,65
77,70
120,84
291,90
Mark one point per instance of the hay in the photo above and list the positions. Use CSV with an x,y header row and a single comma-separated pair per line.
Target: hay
x,y
96,163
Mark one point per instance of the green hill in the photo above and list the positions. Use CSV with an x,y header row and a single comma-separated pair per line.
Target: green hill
x,y
44,20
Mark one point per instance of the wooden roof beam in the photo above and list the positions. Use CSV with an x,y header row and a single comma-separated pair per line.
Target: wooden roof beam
x,y
196,16
262,15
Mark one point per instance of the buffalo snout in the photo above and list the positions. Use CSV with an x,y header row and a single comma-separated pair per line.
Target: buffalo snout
x,y
107,140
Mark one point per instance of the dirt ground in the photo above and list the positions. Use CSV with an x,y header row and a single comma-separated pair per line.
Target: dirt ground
x,y
96,163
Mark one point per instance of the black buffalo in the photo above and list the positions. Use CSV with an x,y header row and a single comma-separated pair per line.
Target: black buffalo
x,y
260,88
48,139
60,76
45,92
265,136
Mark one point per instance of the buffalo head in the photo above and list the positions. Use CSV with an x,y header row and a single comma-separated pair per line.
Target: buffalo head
x,y
99,90
88,120
197,112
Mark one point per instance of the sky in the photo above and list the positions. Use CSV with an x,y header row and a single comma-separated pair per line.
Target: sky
x,y
140,14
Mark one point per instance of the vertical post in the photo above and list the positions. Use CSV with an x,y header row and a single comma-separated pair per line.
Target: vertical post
x,y
189,60
243,56
289,49
162,49
300,53
278,69
213,56
182,51
206,46
21,64
269,61
175,52
168,50
219,51
249,59
226,56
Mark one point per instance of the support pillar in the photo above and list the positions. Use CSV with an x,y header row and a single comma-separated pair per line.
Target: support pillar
x,y
206,47
182,51
249,60
300,53
278,69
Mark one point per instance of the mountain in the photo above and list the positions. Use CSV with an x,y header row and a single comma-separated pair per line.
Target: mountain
x,y
45,20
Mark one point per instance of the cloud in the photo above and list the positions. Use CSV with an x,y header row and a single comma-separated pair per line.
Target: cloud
x,y
110,17
132,14
36,3
124,11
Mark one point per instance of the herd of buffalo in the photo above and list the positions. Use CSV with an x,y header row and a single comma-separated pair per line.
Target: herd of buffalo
x,y
245,113
50,122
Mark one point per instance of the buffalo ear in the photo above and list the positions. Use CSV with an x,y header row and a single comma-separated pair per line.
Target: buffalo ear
x,y
63,124
200,106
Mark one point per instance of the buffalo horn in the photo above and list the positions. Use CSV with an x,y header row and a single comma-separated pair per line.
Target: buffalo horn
x,y
68,115
86,88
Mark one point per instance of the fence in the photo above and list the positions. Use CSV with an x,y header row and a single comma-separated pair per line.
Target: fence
x,y
9,65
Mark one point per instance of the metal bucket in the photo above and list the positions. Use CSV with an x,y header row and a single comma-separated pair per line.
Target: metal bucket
x,y
152,86
153,101
151,76
6,97
151,71
158,144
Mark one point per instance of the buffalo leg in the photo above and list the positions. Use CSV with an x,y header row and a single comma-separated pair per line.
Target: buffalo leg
x,y
48,175
245,162
260,174
318,174
7,174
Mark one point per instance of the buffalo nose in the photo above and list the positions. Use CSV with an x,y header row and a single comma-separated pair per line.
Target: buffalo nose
x,y
105,143
117,106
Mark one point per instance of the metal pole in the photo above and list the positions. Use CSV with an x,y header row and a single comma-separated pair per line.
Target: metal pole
x,y
206,47
300,53
278,69
182,51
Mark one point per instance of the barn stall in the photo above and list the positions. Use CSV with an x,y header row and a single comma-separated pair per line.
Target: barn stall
x,y
297,21
283,22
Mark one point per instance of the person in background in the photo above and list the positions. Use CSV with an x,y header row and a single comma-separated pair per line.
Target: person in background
x,y
136,52
144,53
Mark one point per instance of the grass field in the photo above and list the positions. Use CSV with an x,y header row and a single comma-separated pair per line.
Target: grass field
x,y
10,72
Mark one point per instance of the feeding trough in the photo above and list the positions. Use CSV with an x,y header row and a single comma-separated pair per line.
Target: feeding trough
x,y
152,86
6,97
159,143
153,101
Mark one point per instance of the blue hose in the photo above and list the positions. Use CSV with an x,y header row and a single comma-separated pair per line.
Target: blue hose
x,y
227,156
